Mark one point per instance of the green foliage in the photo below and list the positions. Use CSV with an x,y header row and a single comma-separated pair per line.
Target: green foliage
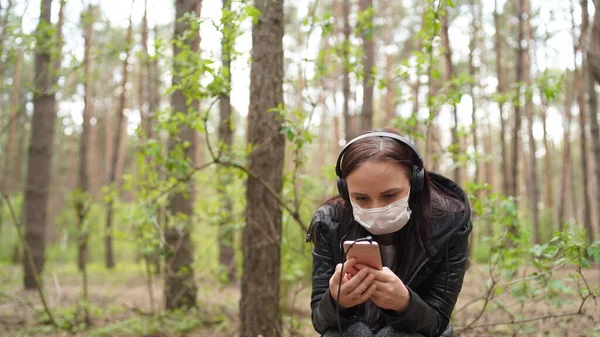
x,y
550,84
410,126
522,273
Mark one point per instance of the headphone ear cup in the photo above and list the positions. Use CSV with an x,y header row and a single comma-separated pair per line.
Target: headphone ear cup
x,y
343,189
418,179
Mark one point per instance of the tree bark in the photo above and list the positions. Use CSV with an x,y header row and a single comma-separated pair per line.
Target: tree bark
x,y
83,178
521,54
489,174
368,68
143,72
456,146
390,92
593,57
259,304
117,147
180,288
532,182
501,89
581,82
40,152
595,140
565,180
226,230
7,185
154,101
473,45
349,132
583,142
549,193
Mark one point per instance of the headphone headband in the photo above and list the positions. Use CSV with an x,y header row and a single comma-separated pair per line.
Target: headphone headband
x,y
403,140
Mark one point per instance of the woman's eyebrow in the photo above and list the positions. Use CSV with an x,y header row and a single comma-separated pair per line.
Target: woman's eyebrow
x,y
395,189
359,194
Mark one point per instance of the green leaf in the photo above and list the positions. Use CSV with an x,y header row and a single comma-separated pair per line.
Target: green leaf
x,y
594,251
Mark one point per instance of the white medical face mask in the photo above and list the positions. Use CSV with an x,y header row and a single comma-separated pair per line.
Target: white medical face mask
x,y
383,220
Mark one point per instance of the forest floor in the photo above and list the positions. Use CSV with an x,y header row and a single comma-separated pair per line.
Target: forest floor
x,y
120,306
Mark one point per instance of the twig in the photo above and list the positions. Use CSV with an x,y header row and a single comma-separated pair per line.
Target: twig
x,y
295,215
57,285
27,249
529,320
138,311
183,179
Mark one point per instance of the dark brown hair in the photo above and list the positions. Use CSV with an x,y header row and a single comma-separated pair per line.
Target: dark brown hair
x,y
411,240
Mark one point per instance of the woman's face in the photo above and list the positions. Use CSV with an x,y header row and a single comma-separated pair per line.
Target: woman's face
x,y
377,184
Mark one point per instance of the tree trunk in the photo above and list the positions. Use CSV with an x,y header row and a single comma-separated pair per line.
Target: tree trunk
x,y
108,140
489,174
549,194
349,132
6,184
581,82
566,158
593,57
583,142
368,67
149,98
521,54
117,147
95,152
473,45
259,304
430,154
180,288
595,140
83,183
532,182
20,152
12,123
455,149
501,75
40,152
390,92
143,72
226,230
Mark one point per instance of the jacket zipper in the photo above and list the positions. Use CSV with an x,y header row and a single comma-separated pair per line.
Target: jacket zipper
x,y
417,271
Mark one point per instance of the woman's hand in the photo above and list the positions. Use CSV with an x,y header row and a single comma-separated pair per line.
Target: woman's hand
x,y
391,293
355,290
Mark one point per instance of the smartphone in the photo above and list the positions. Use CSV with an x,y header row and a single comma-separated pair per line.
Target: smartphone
x,y
365,252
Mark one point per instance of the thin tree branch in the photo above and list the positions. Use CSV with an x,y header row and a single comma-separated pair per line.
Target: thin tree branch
x,y
533,319
183,179
295,214
27,249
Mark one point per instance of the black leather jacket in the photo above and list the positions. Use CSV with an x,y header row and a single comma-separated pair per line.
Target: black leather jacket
x,y
434,283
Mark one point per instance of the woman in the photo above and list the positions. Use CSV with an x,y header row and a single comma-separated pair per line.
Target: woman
x,y
421,222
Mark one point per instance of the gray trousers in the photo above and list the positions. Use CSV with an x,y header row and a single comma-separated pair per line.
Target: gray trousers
x,y
360,329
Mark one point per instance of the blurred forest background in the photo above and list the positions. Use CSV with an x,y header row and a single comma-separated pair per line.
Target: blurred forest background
x,y
161,160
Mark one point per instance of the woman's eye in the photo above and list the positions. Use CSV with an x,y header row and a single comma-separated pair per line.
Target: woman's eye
x,y
390,196
361,198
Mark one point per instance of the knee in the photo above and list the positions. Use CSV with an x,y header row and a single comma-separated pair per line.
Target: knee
x,y
388,331
358,329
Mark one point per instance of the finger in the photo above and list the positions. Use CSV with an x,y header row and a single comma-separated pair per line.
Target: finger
x,y
334,280
354,281
362,287
384,275
382,287
351,272
349,264
367,294
361,266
